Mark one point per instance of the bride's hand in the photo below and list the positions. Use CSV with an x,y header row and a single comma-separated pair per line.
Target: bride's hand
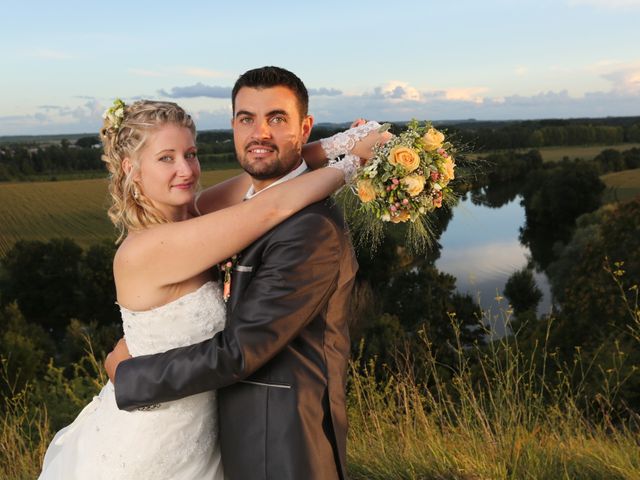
x,y
119,353
358,140
364,147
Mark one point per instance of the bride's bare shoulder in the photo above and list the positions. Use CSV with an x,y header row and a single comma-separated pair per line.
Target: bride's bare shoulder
x,y
130,274
130,259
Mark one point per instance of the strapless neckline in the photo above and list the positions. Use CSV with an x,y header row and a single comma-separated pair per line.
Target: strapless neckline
x,y
174,301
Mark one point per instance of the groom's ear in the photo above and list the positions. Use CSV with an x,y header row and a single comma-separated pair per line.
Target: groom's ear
x,y
307,125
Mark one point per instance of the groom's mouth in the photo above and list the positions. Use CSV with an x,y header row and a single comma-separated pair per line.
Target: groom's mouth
x,y
261,150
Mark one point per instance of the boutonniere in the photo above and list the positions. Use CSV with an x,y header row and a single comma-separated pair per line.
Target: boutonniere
x,y
227,267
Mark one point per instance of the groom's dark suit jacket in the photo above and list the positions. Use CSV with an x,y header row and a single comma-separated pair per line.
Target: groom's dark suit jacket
x,y
280,364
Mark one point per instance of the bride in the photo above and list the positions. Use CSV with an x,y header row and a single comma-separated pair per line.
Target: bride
x,y
170,300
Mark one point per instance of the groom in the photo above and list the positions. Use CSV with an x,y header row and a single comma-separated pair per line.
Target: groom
x,y
280,364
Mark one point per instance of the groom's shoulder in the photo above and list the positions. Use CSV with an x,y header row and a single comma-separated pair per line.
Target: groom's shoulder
x,y
319,212
315,219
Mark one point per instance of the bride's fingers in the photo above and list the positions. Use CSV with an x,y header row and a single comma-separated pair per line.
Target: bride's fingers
x,y
364,147
385,137
358,122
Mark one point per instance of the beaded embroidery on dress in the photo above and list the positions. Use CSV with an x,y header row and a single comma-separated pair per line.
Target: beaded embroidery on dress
x,y
176,440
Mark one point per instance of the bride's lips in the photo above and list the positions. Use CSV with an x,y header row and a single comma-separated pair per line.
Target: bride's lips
x,y
183,186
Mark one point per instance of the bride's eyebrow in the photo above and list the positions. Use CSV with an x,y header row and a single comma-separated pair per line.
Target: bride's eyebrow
x,y
166,150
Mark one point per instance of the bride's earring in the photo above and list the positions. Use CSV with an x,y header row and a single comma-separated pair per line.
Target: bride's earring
x,y
136,192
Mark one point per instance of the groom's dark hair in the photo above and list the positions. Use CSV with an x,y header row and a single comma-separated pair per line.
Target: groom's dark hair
x,y
268,77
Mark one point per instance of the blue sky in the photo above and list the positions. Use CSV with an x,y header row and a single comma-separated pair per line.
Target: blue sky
x,y
64,62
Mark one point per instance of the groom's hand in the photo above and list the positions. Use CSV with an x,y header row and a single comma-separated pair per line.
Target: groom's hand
x,y
119,353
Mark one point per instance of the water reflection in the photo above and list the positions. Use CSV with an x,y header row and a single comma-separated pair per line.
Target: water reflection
x,y
480,247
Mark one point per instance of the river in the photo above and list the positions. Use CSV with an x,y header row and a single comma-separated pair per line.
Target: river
x,y
480,247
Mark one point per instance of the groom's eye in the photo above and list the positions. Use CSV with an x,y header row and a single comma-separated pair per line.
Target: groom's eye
x,y
278,119
245,120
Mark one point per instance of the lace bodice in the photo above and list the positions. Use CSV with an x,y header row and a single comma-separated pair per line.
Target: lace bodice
x,y
190,319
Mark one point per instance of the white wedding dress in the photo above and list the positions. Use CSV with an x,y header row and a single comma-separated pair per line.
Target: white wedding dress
x,y
177,440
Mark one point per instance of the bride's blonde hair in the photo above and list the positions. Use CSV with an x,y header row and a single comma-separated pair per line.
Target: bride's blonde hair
x,y
123,136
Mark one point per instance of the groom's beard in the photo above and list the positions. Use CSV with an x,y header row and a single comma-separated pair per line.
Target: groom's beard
x,y
276,165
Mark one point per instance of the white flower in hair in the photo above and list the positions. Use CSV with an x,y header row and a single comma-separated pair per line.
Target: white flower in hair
x,y
115,114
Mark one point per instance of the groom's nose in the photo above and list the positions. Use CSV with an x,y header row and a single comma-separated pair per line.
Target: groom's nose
x,y
262,130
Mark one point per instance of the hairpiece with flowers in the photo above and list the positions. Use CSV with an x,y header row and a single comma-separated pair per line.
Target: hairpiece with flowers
x,y
115,114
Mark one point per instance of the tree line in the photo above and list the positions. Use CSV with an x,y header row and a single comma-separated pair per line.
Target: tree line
x,y
24,161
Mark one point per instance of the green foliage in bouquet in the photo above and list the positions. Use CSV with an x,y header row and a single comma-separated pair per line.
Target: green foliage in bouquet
x,y
406,181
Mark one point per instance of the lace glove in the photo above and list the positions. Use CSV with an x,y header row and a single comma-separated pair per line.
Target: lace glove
x,y
342,143
349,166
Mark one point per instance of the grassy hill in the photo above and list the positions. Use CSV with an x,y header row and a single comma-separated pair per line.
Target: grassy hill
x,y
557,154
621,186
74,208
589,152
77,208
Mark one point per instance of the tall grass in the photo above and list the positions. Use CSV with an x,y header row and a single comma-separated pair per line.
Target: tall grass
x,y
496,414
28,414
24,432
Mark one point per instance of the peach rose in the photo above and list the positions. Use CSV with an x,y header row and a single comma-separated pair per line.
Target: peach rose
x,y
366,192
448,173
405,157
401,216
414,184
432,140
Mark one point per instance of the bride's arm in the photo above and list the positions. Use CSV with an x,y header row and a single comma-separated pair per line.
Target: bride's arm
x,y
232,191
170,253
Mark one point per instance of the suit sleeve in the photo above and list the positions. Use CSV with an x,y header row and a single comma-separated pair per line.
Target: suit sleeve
x,y
293,284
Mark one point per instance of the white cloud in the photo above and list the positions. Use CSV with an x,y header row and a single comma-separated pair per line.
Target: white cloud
x,y
454,104
471,94
330,92
218,118
395,101
197,90
624,76
398,90
55,119
211,91
521,71
202,72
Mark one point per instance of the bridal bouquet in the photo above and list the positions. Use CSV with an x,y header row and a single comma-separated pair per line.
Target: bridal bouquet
x,y
406,180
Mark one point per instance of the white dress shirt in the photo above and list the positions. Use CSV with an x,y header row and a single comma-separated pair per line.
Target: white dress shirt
x,y
292,174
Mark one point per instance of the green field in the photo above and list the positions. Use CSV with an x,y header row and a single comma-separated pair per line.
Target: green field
x,y
621,186
75,209
556,154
